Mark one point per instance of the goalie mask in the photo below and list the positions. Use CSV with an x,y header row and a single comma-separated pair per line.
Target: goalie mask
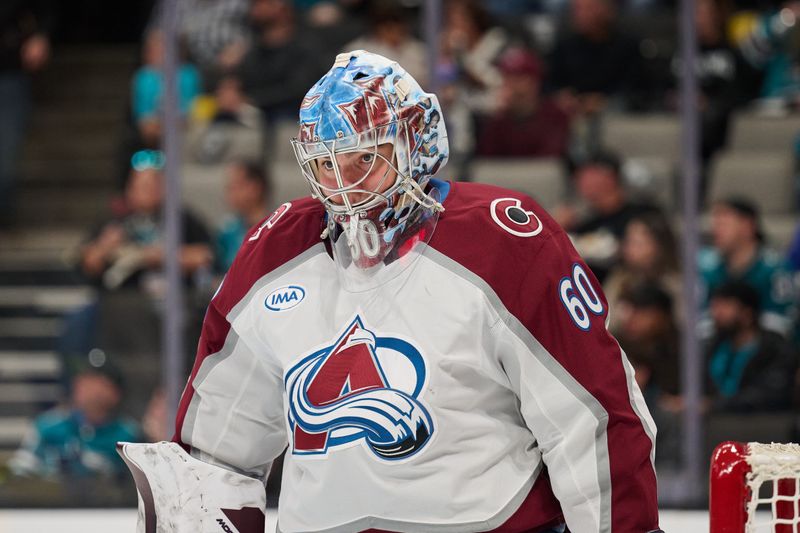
x,y
369,141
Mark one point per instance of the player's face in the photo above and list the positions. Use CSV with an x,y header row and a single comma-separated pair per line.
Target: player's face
x,y
365,171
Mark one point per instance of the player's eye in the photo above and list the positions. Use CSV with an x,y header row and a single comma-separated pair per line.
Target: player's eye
x,y
327,165
367,159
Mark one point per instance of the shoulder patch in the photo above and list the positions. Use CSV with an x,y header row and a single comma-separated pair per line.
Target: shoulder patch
x,y
285,298
271,220
509,214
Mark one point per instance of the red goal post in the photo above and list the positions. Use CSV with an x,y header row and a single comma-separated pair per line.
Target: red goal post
x,y
750,477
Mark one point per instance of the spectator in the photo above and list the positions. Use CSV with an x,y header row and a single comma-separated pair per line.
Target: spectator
x,y
594,61
749,368
335,23
726,80
390,36
648,254
649,335
598,181
246,195
155,422
128,250
466,72
229,129
124,256
738,253
281,64
24,48
771,45
471,44
232,127
216,33
539,128
148,90
80,439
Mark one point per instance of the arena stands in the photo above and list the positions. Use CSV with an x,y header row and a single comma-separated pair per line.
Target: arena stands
x,y
84,130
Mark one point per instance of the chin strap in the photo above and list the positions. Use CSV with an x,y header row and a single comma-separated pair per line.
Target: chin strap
x,y
415,191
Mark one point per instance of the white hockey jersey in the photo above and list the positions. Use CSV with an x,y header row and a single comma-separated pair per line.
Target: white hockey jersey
x,y
477,390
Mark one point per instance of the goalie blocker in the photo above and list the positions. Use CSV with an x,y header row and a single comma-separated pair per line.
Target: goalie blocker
x,y
181,494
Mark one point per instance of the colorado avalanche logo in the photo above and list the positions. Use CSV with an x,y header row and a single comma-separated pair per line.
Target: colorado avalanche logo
x,y
509,214
361,388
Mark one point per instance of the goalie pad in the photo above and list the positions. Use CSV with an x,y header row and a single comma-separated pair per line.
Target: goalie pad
x,y
181,494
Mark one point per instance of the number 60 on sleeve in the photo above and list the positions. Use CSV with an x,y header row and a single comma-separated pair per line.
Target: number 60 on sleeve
x,y
579,297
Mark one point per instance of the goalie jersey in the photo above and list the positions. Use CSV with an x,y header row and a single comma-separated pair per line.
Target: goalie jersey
x,y
476,390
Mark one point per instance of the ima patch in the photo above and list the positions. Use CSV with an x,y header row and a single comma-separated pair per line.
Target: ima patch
x,y
509,215
285,298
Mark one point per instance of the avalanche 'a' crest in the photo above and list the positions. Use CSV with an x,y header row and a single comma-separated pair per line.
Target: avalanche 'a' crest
x,y
361,388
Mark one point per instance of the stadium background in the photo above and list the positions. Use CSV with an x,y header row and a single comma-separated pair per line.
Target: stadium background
x,y
80,104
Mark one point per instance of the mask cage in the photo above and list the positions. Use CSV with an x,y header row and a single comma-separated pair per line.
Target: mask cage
x,y
354,196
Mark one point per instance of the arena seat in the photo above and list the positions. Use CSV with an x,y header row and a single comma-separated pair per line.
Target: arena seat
x,y
646,135
203,190
287,182
779,230
541,179
652,178
764,178
279,135
752,132
207,152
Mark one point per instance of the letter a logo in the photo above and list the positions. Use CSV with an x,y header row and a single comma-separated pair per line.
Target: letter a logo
x,y
341,394
351,367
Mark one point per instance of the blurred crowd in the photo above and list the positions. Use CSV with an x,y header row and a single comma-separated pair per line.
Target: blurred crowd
x,y
517,79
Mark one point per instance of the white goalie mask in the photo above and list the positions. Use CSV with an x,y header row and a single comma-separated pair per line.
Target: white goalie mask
x,y
369,141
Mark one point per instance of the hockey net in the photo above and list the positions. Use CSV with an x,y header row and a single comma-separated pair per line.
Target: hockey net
x,y
755,488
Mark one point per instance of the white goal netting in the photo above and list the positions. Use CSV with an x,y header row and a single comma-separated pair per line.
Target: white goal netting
x,y
774,483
